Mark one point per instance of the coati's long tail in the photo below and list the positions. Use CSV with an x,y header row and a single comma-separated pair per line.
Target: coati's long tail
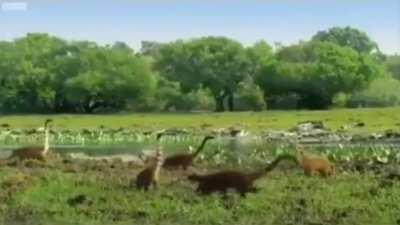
x,y
202,145
195,177
271,166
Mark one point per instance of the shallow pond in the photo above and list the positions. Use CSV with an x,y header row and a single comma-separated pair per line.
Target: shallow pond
x,y
240,150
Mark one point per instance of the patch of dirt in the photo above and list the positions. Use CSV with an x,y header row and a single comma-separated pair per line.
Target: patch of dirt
x,y
79,200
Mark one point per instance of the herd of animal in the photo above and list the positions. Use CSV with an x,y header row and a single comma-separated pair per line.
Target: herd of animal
x,y
220,181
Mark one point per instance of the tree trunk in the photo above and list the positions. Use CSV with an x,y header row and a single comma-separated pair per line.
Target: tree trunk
x,y
315,102
219,104
230,101
87,109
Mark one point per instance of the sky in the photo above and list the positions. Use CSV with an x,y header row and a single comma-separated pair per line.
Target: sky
x,y
247,21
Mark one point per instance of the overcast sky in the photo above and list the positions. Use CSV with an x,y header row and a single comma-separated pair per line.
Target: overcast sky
x,y
131,21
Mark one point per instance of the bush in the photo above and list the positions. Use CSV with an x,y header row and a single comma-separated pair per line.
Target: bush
x,y
200,99
169,97
172,99
393,65
381,92
165,95
340,100
287,101
249,97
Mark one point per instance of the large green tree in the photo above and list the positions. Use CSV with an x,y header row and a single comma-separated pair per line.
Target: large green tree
x,y
392,64
216,63
26,75
348,37
41,73
317,73
108,78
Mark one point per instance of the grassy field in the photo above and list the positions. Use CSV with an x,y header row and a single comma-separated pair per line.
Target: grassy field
x,y
102,195
375,120
65,191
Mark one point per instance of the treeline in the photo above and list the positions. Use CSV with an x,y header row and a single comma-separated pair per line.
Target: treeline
x,y
339,67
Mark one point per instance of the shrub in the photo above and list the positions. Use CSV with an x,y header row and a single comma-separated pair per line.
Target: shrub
x,y
200,99
170,97
381,92
340,100
287,101
249,97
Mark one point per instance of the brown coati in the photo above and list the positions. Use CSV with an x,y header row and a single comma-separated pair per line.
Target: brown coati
x,y
233,179
34,152
311,163
150,175
184,160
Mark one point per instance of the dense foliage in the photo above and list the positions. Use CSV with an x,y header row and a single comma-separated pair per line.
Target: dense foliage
x,y
316,72
45,74
381,92
40,73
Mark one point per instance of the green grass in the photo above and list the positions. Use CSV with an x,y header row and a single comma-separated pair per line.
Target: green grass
x,y
375,119
41,195
284,198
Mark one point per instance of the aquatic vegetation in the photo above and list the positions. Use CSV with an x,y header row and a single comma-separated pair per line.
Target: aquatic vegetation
x,y
224,149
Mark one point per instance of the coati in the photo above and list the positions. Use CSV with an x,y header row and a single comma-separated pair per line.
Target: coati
x,y
34,152
312,163
150,175
233,179
184,160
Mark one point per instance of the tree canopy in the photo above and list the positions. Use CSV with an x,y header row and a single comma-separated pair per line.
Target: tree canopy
x,y
316,71
217,63
392,64
348,37
40,73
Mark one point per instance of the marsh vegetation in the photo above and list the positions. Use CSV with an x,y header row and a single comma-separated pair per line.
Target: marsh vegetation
x,y
87,177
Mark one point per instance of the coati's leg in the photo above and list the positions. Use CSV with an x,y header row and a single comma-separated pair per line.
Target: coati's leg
x,y
244,190
186,166
204,189
146,185
41,158
141,185
201,188
307,172
323,173
253,189
224,191
327,172
155,185
242,193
